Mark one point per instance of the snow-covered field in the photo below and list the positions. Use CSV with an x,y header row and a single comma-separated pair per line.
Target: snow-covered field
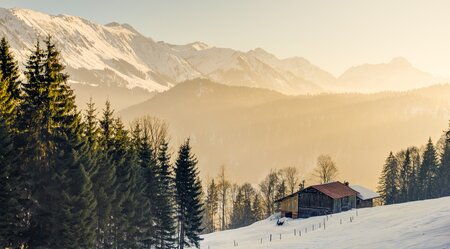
x,y
420,224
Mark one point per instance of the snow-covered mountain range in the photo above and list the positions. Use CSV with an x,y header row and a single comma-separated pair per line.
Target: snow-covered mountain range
x,y
117,55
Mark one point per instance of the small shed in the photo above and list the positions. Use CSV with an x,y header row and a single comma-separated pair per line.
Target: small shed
x,y
328,198
365,196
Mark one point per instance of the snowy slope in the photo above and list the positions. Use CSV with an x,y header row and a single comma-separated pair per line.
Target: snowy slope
x,y
421,224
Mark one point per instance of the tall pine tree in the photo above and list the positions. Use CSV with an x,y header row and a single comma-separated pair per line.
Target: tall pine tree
x,y
11,209
404,177
51,144
9,69
188,197
165,225
388,184
444,167
147,164
427,177
105,180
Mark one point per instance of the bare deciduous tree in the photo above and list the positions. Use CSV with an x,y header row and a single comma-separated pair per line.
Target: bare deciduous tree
x,y
291,177
224,187
268,188
326,170
156,130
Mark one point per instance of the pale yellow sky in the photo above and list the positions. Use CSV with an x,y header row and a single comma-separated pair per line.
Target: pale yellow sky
x,y
332,34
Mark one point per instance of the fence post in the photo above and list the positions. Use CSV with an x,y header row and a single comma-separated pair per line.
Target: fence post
x,y
295,232
300,233
261,240
271,238
313,227
280,236
341,221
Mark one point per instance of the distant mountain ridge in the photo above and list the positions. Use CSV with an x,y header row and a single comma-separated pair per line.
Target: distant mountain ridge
x,y
115,58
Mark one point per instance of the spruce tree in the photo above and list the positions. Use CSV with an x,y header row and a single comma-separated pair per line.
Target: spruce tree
x,y
11,209
7,106
91,136
388,184
404,177
427,177
211,206
444,167
165,225
188,197
105,180
9,69
242,208
413,184
147,164
38,124
122,206
257,210
142,219
51,143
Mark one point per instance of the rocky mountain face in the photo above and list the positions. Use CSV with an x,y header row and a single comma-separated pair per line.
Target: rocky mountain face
x,y
111,60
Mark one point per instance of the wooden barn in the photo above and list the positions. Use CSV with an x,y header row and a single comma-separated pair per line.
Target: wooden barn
x,y
328,198
365,196
318,200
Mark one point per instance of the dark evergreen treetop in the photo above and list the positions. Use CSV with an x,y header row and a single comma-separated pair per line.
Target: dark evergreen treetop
x,y
9,70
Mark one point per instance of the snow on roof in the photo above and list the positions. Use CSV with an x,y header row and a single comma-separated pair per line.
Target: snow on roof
x,y
364,193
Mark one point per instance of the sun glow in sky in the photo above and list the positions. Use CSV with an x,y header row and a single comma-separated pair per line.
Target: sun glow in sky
x,y
334,35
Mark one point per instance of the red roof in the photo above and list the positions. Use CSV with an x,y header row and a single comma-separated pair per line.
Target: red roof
x,y
335,190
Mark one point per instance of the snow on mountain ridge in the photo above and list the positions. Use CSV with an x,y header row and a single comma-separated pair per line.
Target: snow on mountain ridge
x,y
94,47
117,55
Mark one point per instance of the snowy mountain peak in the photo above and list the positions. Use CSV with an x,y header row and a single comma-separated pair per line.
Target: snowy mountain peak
x,y
199,45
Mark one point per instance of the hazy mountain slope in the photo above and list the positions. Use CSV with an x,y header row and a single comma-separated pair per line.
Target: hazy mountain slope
x,y
396,75
252,130
413,225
